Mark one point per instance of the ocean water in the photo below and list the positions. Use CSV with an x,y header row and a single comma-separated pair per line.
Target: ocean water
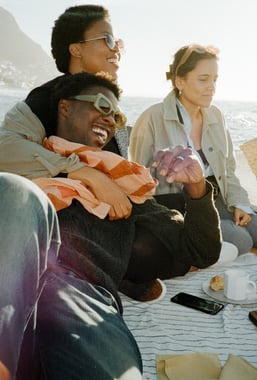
x,y
241,117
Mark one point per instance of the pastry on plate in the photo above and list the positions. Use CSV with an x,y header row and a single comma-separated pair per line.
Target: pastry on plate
x,y
217,283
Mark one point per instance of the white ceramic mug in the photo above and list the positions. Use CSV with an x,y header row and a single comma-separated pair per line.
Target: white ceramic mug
x,y
237,285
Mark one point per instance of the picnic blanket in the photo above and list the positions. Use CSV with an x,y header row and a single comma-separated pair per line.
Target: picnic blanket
x,y
165,328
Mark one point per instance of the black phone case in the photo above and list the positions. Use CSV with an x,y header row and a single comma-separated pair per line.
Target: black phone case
x,y
194,302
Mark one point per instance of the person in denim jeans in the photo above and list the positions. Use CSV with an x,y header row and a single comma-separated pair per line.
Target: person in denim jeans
x,y
80,333
74,316
29,240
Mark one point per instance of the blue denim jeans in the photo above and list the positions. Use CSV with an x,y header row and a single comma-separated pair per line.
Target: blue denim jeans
x,y
80,334
29,238
244,237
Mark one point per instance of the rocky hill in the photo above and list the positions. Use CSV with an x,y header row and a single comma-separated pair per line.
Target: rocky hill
x,y
23,62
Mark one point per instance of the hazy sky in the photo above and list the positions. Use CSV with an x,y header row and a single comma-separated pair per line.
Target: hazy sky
x,y
154,29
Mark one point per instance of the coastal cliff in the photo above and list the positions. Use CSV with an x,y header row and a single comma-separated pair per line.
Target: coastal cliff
x,y
23,62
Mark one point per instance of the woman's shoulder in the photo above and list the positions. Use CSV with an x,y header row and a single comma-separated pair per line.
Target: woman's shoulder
x,y
155,108
159,108
214,109
214,114
152,112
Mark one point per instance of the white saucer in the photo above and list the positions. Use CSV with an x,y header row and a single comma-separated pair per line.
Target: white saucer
x,y
246,259
228,253
219,296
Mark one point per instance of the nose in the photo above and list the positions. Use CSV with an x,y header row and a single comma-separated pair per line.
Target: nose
x,y
212,86
119,47
110,121
116,46
116,49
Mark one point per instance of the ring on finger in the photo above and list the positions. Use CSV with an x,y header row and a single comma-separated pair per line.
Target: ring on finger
x,y
180,158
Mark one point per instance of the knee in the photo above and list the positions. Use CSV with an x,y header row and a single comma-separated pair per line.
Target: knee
x,y
252,229
239,236
16,189
25,203
18,192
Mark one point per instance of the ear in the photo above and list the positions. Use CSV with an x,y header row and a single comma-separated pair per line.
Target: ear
x,y
63,108
74,50
179,83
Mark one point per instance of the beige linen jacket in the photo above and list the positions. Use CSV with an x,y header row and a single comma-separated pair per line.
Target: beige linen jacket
x,y
21,150
158,127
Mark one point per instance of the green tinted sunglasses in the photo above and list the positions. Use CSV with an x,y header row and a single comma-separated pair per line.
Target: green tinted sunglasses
x,y
104,106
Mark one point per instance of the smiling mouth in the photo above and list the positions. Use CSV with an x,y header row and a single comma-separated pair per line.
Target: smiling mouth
x,y
102,134
114,61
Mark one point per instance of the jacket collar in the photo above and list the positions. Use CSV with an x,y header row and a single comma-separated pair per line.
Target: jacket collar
x,y
170,110
169,107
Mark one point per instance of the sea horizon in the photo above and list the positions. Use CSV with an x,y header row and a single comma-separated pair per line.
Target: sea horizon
x,y
240,116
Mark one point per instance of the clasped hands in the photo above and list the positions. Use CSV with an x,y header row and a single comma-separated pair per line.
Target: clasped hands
x,y
177,165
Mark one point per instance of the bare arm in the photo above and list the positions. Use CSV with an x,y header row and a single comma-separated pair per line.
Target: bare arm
x,y
106,190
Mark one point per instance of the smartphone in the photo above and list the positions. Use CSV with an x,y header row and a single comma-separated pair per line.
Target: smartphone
x,y
253,317
207,306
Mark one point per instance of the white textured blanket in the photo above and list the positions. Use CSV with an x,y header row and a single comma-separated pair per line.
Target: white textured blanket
x,y
167,328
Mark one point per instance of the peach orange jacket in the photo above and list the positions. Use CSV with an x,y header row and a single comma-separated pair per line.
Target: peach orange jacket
x,y
134,179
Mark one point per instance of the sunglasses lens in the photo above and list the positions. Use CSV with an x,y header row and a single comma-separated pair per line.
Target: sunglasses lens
x,y
199,50
105,107
120,119
110,41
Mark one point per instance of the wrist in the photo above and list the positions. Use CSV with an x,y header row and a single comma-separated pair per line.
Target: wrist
x,y
196,190
83,174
